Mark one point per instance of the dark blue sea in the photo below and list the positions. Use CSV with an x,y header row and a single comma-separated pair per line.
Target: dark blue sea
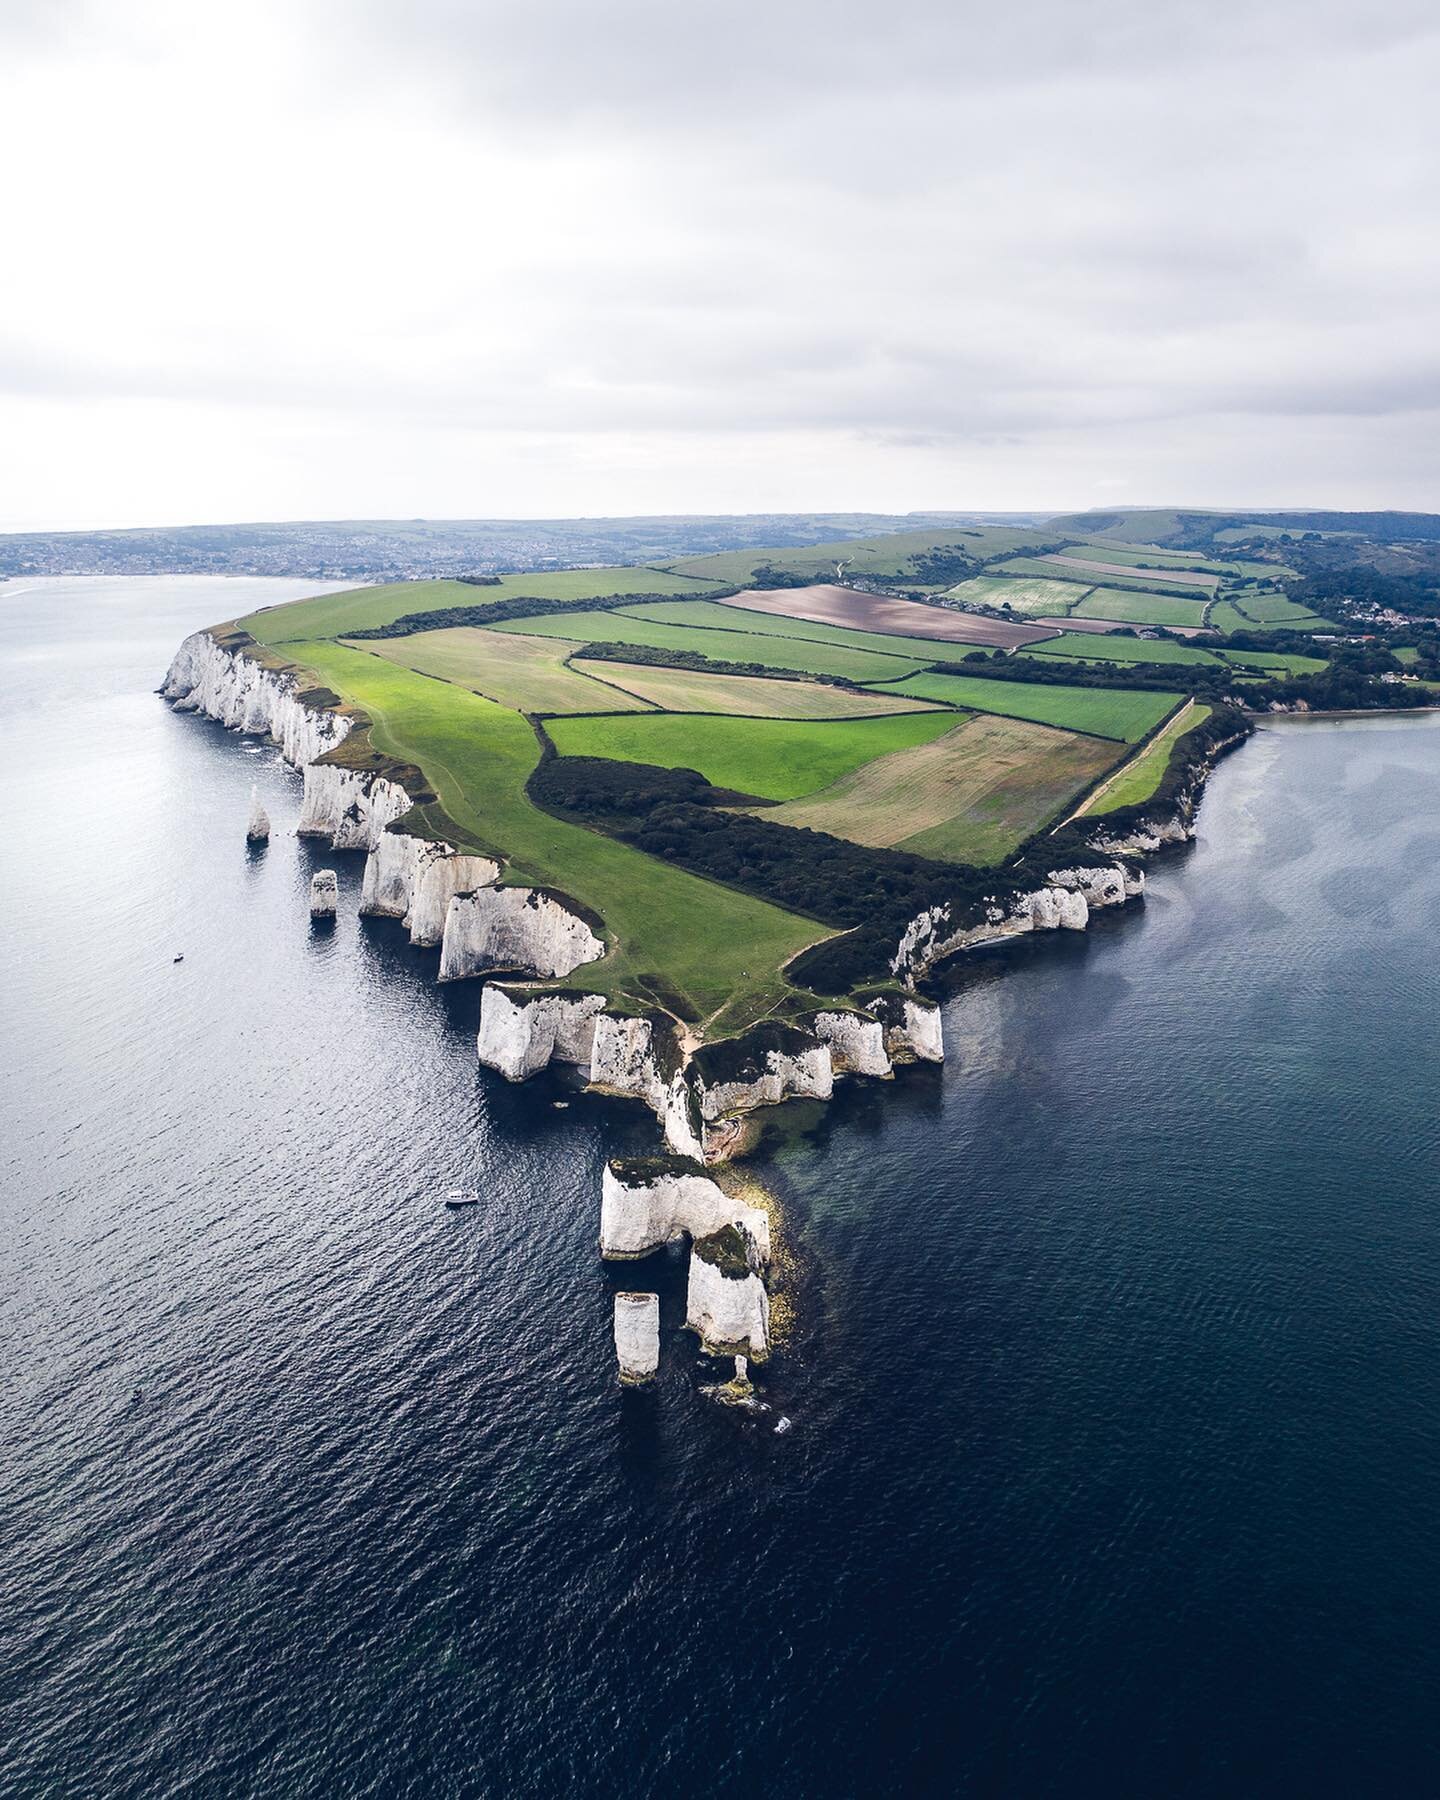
x,y
1113,1464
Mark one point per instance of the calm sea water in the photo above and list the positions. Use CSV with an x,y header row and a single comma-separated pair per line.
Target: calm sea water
x,y
1114,1385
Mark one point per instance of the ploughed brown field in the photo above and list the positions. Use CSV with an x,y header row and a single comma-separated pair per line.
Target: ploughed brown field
x,y
1103,625
1186,577
830,605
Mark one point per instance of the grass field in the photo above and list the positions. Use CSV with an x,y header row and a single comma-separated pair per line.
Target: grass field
x,y
1226,616
478,756
877,612
1094,568
1273,660
1089,646
528,673
775,651
1141,776
1273,609
1032,597
773,759
743,696
1137,608
1096,550
1146,580
359,609
726,617
971,795
1105,712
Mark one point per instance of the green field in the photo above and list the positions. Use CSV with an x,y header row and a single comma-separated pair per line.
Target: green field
x,y
971,795
1141,776
478,757
773,759
1101,647
1273,609
528,673
1145,582
360,609
805,655
742,696
1097,550
1105,712
1226,616
1273,660
1135,608
1033,598
726,616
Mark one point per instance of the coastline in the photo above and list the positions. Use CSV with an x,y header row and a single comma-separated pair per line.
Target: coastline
x,y
524,943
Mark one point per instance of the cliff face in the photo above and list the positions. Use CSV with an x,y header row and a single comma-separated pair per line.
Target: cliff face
x,y
1065,905
513,928
248,697
521,1037
349,807
647,1204
414,879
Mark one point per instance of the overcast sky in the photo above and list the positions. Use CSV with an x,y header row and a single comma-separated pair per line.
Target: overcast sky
x,y
350,258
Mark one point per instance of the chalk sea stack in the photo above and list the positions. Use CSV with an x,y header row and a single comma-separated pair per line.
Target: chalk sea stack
x,y
258,830
637,1336
324,894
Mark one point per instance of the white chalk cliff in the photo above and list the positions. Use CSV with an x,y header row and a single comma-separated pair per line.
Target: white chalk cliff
x,y
1064,905
519,1037
726,1304
414,879
513,928
245,695
647,1204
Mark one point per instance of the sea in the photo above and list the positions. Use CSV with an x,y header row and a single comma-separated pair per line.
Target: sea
x,y
1101,1453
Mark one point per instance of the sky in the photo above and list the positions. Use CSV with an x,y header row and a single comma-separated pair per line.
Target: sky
x,y
529,258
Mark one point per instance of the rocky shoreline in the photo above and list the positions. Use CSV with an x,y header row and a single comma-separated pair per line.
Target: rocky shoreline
x,y
704,1095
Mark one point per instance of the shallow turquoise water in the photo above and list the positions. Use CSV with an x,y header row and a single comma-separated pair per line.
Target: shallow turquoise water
x,y
1113,1393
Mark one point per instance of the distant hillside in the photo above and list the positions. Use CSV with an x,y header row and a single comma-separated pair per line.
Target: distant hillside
x,y
1179,529
409,549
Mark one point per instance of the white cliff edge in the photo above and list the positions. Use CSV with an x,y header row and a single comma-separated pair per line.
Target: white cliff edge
x,y
650,1202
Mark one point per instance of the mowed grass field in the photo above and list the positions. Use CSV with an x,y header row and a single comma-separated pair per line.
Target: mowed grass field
x,y
1137,608
360,609
773,759
1104,712
478,756
741,696
1091,646
528,673
1032,597
774,651
1141,776
1226,616
971,795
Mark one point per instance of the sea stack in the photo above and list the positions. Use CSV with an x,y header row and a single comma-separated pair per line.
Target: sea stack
x,y
258,830
637,1336
324,894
